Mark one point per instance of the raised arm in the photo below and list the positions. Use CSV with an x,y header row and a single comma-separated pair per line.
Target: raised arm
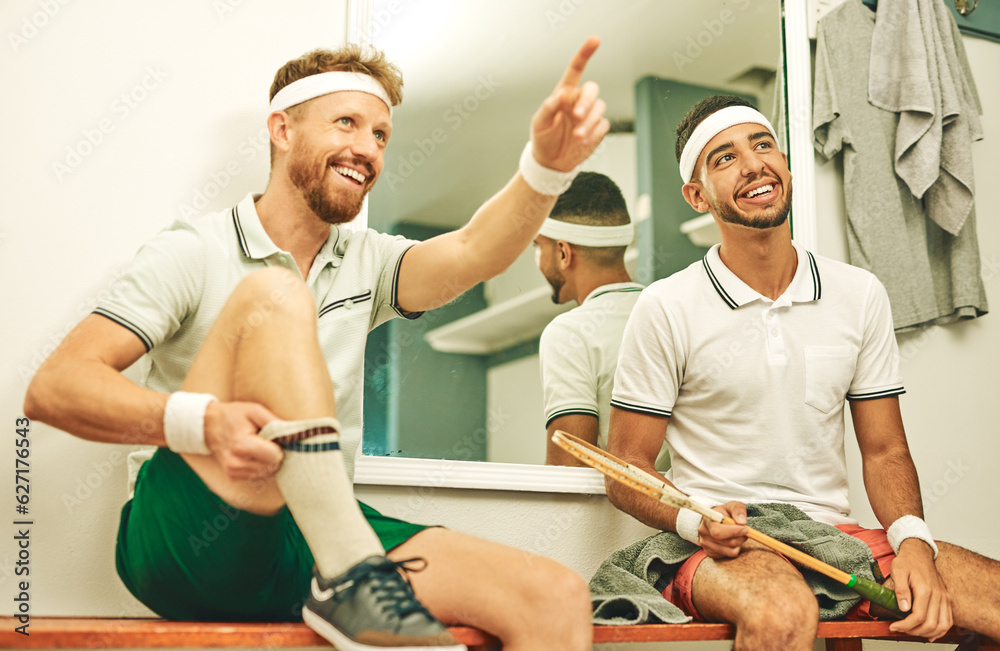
x,y
565,131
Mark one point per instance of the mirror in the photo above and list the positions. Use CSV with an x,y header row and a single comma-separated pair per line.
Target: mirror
x,y
474,74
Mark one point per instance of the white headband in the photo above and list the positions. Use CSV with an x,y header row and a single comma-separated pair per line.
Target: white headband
x,y
325,83
582,235
711,127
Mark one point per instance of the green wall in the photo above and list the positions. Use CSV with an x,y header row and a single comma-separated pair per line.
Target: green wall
x,y
420,402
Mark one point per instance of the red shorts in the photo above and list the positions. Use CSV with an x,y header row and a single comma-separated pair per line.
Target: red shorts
x,y
678,592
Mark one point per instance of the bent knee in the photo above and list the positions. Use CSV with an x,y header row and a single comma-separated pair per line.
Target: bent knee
x,y
275,290
558,610
558,597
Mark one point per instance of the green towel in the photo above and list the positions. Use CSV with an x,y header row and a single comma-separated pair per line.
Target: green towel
x,y
626,587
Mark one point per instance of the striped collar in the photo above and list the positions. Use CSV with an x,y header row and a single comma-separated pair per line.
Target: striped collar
x,y
614,288
805,285
257,245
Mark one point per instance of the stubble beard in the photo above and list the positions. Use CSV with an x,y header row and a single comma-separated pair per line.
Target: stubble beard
x,y
768,217
556,282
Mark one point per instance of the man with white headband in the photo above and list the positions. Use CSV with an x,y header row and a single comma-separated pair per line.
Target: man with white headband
x,y
580,251
743,362
255,321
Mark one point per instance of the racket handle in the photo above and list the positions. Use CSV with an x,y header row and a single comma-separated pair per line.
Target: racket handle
x,y
877,594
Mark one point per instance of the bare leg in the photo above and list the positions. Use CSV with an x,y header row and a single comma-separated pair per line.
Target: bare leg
x,y
528,601
262,348
973,583
763,595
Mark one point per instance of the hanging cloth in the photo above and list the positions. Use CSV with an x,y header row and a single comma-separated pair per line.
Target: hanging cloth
x,y
917,70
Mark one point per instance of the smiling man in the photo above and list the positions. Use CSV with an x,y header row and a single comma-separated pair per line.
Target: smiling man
x,y
255,321
743,362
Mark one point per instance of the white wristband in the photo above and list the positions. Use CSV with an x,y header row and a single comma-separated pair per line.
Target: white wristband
x,y
910,526
543,180
184,422
687,525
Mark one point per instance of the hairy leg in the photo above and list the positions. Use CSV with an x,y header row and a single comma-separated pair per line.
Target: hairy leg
x,y
763,595
530,602
262,348
973,583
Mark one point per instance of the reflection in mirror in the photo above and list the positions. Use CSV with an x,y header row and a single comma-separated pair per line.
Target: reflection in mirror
x,y
462,382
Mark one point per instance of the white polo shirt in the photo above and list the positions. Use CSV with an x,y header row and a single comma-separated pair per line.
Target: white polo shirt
x,y
180,280
755,388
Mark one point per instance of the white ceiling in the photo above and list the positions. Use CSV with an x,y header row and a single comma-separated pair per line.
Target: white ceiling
x,y
498,60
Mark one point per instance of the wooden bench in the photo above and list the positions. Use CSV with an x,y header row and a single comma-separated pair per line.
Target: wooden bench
x,y
99,633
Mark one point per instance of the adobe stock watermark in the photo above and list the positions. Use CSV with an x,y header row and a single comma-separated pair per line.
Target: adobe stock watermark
x,y
212,186
83,308
91,138
462,450
381,19
696,44
223,8
562,12
32,24
936,491
454,117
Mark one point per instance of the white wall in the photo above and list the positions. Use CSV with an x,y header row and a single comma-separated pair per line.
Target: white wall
x,y
195,77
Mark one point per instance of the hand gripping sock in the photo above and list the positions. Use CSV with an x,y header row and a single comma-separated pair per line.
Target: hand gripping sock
x,y
314,482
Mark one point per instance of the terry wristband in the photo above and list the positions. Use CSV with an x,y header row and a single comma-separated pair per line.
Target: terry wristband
x,y
910,526
184,422
687,525
543,180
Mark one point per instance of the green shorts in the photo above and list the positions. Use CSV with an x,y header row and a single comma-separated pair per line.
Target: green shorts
x,y
188,555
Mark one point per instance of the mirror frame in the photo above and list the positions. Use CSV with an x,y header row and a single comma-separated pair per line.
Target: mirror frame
x,y
431,474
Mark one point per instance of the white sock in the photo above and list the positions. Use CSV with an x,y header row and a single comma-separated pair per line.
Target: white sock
x,y
313,481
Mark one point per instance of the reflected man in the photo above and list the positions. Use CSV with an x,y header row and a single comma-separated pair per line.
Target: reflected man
x,y
581,252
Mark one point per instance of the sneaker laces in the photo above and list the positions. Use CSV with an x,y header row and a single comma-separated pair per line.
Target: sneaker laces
x,y
392,588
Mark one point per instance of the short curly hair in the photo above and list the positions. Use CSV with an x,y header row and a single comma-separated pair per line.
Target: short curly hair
x,y
350,58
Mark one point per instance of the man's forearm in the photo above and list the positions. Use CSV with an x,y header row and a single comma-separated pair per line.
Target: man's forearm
x,y
641,507
95,402
439,269
889,473
504,226
893,487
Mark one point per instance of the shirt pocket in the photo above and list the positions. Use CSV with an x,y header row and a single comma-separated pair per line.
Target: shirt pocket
x,y
829,370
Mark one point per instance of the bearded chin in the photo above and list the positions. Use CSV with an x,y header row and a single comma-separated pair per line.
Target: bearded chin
x,y
339,210
556,283
768,220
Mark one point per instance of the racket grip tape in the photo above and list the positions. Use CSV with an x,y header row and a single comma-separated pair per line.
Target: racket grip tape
x,y
877,594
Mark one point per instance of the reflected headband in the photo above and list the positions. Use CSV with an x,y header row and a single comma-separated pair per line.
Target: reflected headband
x,y
712,126
324,83
583,235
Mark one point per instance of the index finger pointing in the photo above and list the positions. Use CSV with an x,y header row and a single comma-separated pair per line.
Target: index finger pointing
x,y
575,70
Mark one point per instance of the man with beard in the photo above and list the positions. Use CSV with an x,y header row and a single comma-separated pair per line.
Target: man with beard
x,y
254,321
750,355
581,252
